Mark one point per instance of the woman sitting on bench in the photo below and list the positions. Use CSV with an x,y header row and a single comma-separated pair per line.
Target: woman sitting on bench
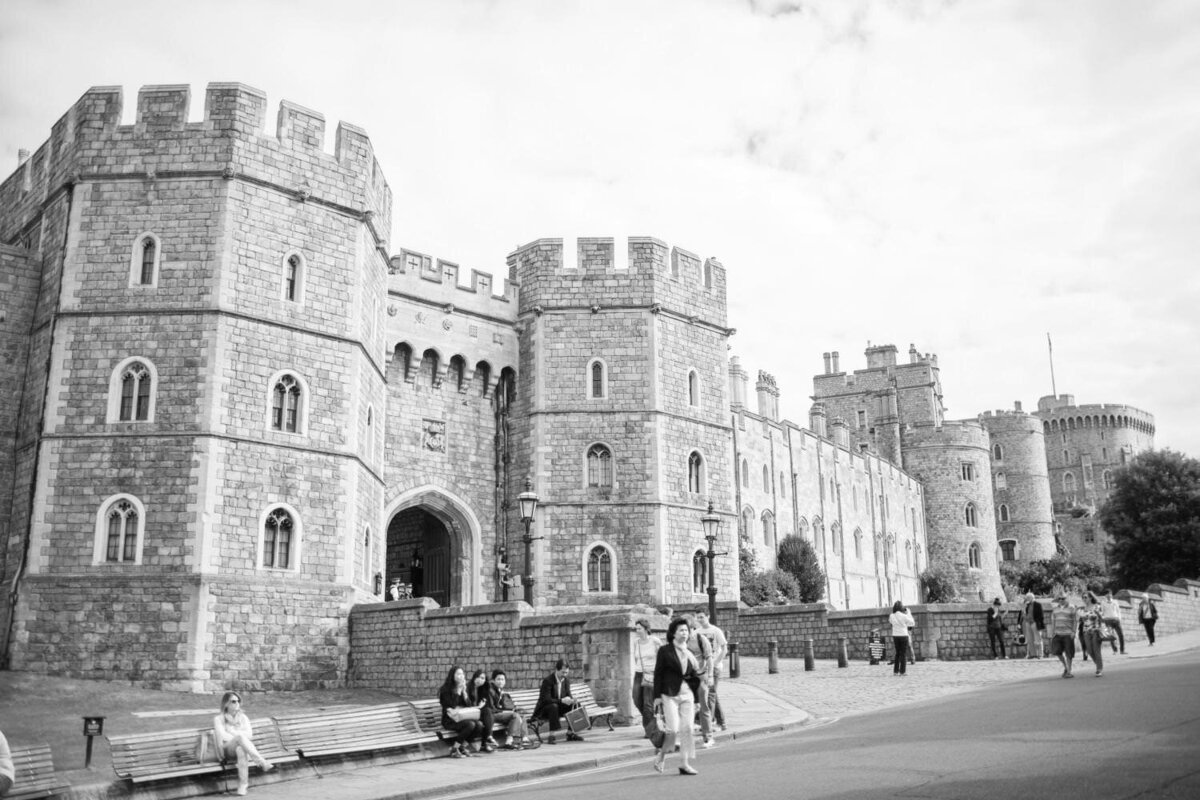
x,y
460,715
235,738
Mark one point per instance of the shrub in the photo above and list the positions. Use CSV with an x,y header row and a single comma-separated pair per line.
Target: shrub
x,y
772,588
938,586
798,558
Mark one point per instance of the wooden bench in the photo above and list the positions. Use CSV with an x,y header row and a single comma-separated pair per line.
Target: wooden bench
x,y
429,712
582,693
352,730
35,776
145,757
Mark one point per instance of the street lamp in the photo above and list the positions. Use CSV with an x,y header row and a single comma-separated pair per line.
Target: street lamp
x,y
528,501
711,524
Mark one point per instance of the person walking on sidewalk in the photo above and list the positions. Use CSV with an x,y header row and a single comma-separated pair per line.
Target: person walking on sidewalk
x,y
996,627
720,646
1092,620
1063,619
702,650
1112,618
1148,616
677,680
901,621
645,652
235,737
1034,622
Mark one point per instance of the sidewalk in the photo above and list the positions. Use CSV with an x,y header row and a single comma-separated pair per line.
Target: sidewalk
x,y
34,709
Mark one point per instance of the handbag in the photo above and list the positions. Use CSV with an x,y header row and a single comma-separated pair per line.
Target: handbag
x,y
1107,634
207,751
577,720
463,713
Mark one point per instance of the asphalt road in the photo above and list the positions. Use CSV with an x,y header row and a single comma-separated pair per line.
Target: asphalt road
x,y
1134,733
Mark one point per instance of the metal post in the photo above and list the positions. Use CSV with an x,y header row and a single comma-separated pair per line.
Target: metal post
x,y
712,584
527,579
809,657
772,657
735,666
843,660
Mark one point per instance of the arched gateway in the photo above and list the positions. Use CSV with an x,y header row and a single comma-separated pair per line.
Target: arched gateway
x,y
432,528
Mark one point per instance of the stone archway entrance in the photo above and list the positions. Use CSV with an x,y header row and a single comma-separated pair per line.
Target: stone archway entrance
x,y
433,545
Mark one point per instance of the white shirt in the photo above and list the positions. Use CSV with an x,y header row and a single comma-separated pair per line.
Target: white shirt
x,y
901,621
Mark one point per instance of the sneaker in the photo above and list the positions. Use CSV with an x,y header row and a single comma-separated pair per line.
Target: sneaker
x,y
1099,672
707,743
574,737
723,726
1069,675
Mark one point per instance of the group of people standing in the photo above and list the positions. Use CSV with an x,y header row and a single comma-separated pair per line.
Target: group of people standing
x,y
675,686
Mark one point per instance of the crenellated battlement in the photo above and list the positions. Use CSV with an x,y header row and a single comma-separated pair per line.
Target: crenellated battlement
x,y
435,280
89,143
595,272
958,433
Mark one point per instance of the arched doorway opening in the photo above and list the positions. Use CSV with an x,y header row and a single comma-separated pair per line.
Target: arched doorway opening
x,y
433,546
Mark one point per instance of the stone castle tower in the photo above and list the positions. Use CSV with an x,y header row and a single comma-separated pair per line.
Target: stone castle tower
x,y
896,409
1024,523
1084,445
623,421
195,466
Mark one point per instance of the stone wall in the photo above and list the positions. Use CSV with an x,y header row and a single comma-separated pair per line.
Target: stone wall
x,y
408,646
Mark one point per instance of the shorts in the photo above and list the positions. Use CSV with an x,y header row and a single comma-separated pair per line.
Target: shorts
x,y
1063,645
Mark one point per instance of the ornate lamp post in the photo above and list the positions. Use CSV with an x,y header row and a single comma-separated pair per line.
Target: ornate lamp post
x,y
711,523
528,501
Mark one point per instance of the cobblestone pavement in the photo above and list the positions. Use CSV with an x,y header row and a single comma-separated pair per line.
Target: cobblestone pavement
x,y
828,691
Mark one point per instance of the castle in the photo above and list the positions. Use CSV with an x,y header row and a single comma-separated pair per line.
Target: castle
x,y
232,414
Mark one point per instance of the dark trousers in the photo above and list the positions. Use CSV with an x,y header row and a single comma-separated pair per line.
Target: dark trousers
x,y
553,713
900,660
1115,624
1148,624
995,635
714,702
467,729
643,698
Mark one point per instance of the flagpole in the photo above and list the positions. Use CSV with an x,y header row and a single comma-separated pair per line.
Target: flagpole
x,y
1050,346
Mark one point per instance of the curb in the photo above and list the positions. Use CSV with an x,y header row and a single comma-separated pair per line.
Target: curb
x,y
584,765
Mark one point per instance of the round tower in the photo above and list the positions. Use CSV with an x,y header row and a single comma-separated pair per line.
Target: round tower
x,y
953,462
1021,488
1085,446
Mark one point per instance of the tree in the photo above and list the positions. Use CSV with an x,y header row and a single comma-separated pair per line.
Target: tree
x,y
938,586
1152,517
1047,575
798,558
773,587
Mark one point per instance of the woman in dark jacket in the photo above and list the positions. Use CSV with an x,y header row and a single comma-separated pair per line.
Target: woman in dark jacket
x,y
453,696
676,682
478,691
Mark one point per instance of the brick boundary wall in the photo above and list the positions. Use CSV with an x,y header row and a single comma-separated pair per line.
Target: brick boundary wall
x,y
408,646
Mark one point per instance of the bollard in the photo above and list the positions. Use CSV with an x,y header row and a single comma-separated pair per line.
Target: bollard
x,y
735,665
842,660
772,657
809,657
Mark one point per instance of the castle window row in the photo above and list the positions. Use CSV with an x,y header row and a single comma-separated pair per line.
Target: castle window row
x,y
596,382
133,390
599,469
1092,421
145,267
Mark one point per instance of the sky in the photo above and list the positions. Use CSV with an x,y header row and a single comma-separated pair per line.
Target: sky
x,y
968,177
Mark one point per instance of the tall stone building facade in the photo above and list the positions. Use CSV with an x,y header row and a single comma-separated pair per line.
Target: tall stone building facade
x,y
1085,445
231,414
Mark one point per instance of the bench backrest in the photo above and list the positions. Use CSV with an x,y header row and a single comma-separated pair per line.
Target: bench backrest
x,y
34,772
161,751
356,724
582,693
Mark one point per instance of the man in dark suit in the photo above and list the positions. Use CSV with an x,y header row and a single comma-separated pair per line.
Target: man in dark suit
x,y
555,700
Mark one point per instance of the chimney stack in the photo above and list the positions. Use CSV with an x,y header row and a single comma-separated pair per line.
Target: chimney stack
x,y
836,368
826,357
